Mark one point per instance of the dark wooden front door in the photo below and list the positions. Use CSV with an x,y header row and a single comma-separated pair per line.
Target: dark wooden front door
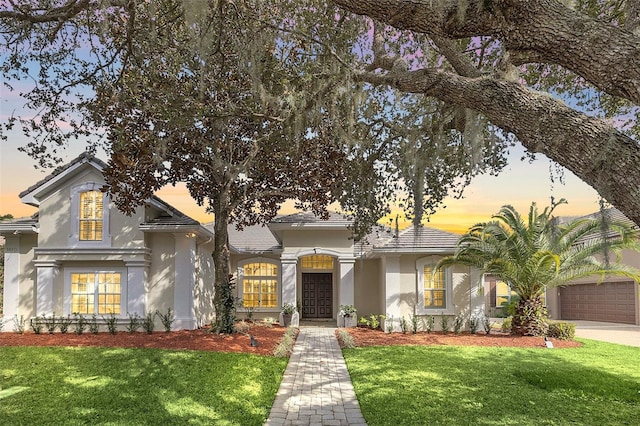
x,y
317,295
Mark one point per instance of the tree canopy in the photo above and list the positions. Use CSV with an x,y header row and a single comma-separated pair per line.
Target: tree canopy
x,y
561,77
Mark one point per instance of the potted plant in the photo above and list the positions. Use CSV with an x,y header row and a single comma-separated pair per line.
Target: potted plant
x,y
348,316
288,309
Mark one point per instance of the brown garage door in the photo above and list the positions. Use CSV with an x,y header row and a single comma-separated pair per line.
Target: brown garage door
x,y
611,302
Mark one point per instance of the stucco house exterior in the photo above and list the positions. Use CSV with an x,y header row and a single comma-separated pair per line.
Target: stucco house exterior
x,y
80,254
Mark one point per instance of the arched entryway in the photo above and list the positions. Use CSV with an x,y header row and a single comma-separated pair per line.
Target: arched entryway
x,y
317,286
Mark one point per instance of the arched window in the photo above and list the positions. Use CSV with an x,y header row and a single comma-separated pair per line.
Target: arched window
x,y
259,284
89,216
317,261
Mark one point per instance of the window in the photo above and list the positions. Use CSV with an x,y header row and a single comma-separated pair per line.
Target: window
x,y
316,261
434,288
90,216
435,291
503,293
260,285
96,293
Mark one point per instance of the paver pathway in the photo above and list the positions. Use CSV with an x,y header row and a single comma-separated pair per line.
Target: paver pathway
x,y
316,388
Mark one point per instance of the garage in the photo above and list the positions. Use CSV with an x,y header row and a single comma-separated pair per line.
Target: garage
x,y
609,302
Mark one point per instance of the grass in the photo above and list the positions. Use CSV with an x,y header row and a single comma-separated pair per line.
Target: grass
x,y
597,384
79,386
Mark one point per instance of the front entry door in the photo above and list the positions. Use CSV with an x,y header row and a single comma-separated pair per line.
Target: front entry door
x,y
317,295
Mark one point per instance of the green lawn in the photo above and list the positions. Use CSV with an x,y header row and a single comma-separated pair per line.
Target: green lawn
x,y
598,384
81,386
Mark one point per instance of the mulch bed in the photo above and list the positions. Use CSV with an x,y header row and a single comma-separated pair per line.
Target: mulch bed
x,y
201,340
267,338
368,337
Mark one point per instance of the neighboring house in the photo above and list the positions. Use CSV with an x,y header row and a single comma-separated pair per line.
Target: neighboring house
x,y
616,299
80,254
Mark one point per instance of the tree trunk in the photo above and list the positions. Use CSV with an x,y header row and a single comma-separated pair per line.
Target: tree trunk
x,y
224,297
530,318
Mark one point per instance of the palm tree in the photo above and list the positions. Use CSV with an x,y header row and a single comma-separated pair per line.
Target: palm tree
x,y
533,255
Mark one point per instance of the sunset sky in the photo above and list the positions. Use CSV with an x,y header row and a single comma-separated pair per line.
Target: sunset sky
x,y
519,184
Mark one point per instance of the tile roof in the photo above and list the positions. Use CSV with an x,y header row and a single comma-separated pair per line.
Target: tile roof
x,y
308,217
252,239
84,157
419,239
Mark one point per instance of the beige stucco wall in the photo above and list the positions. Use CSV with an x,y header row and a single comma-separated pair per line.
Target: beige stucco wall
x,y
161,275
369,299
328,239
27,276
204,285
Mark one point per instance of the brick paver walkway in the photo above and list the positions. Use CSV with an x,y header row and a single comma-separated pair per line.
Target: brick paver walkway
x,y
316,388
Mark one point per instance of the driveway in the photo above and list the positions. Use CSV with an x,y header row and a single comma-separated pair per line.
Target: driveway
x,y
624,334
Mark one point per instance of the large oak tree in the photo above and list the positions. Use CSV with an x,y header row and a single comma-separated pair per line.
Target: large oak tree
x,y
585,52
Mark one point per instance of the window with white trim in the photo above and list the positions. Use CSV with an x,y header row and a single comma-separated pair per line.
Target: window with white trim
x,y
435,289
96,293
259,284
89,216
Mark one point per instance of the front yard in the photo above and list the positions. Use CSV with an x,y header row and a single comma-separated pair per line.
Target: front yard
x,y
596,384
124,386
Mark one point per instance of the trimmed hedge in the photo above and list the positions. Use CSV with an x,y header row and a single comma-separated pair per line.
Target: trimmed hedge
x,y
562,330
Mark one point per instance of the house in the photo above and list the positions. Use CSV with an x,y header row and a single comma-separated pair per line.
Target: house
x,y
79,254
616,299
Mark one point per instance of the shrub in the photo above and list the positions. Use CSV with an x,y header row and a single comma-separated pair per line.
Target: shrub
x,y
444,323
93,325
506,325
285,347
345,339
458,323
241,327
365,322
147,323
375,323
64,324
134,322
474,324
81,323
1,323
404,325
50,323
389,324
487,325
414,323
36,325
18,324
166,319
562,330
428,323
112,323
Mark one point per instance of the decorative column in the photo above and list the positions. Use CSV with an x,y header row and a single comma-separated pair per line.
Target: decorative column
x,y
184,281
136,278
11,292
289,287
47,274
392,290
346,295
476,294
